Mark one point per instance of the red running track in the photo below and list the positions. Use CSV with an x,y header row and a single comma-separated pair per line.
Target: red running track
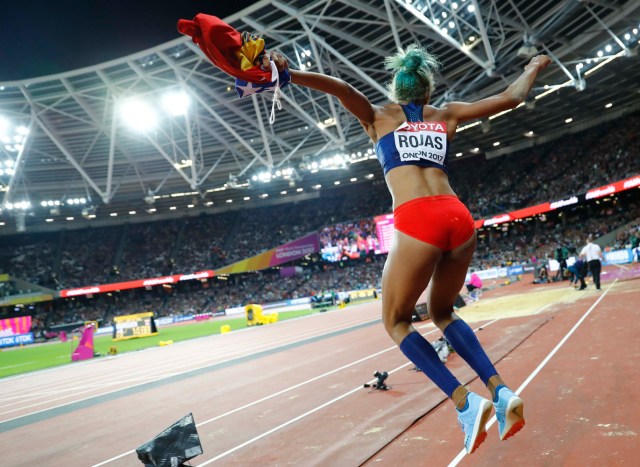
x,y
292,394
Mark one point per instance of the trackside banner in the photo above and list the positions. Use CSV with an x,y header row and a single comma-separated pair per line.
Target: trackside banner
x,y
16,339
11,326
94,289
296,249
15,331
619,256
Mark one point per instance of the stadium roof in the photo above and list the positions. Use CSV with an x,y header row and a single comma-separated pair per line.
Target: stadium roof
x,y
66,139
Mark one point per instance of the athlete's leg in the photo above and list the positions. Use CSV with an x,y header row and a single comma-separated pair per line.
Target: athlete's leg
x,y
406,274
446,283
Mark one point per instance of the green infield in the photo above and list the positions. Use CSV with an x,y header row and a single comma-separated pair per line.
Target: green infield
x,y
14,361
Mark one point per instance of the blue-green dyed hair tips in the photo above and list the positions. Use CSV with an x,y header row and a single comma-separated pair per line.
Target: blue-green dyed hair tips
x,y
413,79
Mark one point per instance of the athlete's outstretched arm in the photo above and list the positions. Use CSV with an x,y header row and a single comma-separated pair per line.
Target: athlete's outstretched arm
x,y
508,99
352,99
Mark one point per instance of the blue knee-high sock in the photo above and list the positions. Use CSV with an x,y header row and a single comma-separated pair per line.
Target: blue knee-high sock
x,y
423,355
466,344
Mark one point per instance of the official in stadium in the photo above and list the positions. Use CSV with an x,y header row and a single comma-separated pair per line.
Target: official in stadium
x,y
592,254
434,237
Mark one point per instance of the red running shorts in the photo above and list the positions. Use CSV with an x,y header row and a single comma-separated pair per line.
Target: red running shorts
x,y
441,220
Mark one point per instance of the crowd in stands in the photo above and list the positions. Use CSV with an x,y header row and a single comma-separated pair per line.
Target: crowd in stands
x,y
564,167
628,237
343,218
530,241
214,295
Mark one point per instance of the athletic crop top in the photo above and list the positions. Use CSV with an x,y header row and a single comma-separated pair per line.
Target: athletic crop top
x,y
414,143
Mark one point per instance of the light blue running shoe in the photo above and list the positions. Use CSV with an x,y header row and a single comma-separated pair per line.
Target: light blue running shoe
x,y
473,420
509,412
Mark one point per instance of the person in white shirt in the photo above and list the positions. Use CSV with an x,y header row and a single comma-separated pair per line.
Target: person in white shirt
x,y
592,254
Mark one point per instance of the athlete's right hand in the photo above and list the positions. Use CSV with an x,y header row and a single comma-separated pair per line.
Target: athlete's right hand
x,y
280,61
539,61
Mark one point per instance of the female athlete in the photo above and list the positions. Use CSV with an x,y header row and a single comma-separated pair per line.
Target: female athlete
x,y
434,236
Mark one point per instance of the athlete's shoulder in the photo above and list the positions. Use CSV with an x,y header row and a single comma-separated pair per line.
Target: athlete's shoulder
x,y
433,113
389,108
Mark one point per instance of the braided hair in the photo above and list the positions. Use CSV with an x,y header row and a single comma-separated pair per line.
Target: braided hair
x,y
413,70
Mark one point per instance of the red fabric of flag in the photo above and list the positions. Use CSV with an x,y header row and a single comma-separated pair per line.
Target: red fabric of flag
x,y
220,42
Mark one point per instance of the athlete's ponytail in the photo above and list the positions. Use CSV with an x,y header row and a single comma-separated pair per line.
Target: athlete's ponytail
x,y
413,79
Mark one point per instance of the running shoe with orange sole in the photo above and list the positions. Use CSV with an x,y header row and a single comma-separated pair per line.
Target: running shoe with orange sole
x,y
509,412
473,419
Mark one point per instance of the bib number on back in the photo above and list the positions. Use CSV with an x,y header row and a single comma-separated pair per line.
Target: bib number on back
x,y
416,141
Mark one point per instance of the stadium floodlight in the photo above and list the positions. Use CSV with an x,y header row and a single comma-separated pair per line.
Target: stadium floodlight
x,y
138,114
262,176
176,103
20,205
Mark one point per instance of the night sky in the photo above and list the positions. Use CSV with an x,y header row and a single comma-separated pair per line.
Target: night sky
x,y
42,37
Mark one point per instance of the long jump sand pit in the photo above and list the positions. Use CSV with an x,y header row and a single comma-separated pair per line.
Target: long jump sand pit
x,y
531,299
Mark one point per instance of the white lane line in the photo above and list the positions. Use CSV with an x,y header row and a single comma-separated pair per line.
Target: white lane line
x,y
155,378
163,364
19,364
535,372
275,394
322,406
